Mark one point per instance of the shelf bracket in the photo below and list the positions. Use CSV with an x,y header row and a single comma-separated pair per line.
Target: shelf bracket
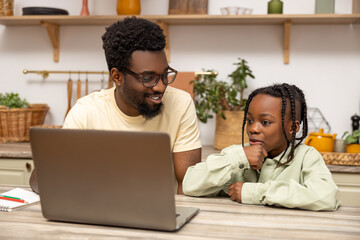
x,y
53,31
287,28
165,28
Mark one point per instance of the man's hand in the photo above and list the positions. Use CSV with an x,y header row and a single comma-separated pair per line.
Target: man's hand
x,y
255,155
235,191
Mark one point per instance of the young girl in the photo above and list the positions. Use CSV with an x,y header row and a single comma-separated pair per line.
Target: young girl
x,y
275,169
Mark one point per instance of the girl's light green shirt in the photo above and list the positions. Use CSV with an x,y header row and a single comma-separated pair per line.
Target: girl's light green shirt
x,y
304,183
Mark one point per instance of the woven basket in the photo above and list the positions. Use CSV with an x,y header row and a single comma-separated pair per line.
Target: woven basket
x,y
334,158
229,131
15,122
39,112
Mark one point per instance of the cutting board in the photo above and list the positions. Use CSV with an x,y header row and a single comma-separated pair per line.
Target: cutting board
x,y
188,6
183,82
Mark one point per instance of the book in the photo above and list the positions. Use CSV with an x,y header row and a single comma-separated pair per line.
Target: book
x,y
17,198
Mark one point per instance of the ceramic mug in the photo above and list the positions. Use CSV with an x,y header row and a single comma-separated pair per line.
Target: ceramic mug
x,y
340,145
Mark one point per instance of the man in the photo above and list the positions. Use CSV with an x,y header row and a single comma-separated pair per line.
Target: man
x,y
141,99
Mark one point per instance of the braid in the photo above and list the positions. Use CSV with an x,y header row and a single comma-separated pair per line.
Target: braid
x,y
283,110
293,118
295,95
303,115
283,106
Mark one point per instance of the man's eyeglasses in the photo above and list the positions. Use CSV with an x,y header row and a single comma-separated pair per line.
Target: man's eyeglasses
x,y
150,79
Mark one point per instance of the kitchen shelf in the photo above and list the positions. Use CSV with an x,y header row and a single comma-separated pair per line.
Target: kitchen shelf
x,y
52,23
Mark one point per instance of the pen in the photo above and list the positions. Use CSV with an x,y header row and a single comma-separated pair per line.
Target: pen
x,y
15,199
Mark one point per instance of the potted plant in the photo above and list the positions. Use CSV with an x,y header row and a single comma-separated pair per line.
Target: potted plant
x,y
226,100
352,141
12,100
16,117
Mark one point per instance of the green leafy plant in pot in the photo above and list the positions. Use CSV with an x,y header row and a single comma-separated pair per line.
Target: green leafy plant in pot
x,y
16,117
352,141
226,100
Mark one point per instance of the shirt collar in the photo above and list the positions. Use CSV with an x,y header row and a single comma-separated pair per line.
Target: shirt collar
x,y
284,158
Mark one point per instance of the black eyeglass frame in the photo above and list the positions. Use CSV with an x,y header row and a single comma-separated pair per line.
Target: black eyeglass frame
x,y
140,76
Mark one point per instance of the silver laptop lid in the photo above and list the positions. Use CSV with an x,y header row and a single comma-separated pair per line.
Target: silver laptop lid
x,y
105,177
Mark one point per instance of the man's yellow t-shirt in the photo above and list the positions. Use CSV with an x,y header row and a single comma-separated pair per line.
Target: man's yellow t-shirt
x,y
98,110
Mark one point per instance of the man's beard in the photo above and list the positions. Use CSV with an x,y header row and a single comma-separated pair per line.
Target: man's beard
x,y
144,109
149,113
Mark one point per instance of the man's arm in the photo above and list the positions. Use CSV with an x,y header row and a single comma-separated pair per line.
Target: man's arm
x,y
183,160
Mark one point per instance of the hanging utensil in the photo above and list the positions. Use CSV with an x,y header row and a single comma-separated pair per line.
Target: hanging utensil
x,y
86,84
102,80
69,94
111,83
78,88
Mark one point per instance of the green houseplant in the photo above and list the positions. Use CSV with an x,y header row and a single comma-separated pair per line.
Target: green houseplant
x,y
352,141
12,100
224,99
216,96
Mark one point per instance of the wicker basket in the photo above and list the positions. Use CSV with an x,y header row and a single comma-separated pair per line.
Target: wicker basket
x,y
39,112
334,158
15,122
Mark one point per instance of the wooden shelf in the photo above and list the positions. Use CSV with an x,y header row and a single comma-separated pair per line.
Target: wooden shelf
x,y
52,23
187,19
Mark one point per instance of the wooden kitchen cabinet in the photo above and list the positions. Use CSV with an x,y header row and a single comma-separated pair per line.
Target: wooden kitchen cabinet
x,y
15,171
16,163
349,188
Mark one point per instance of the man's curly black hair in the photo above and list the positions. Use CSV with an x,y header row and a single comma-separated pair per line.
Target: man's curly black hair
x,y
122,38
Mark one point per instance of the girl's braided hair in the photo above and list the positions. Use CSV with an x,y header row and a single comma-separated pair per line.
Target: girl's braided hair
x,y
296,97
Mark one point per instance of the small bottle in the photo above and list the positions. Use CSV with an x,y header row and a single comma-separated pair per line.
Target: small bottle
x,y
355,122
84,9
275,7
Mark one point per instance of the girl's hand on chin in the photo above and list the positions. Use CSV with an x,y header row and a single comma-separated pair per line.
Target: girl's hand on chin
x,y
255,155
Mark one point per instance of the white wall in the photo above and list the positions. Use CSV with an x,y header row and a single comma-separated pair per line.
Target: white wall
x,y
324,59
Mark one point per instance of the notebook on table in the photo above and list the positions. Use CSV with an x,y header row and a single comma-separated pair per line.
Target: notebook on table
x,y
107,177
17,198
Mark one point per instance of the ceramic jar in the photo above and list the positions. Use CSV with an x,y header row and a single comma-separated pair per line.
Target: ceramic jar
x,y
324,6
353,148
340,145
275,7
128,7
321,141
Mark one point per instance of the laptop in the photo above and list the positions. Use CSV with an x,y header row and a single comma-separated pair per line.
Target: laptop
x,y
104,177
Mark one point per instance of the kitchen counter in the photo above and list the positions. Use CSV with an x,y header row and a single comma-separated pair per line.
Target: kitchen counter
x,y
16,166
219,218
23,151
15,150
